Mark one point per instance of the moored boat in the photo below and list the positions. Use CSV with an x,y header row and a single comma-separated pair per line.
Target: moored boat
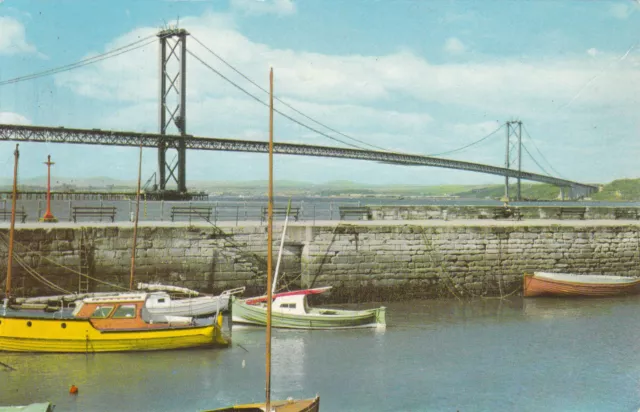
x,y
32,407
196,305
567,284
105,324
289,405
291,310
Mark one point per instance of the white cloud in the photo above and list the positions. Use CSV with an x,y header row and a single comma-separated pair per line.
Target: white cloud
x,y
506,86
13,38
453,45
13,118
386,100
475,130
621,10
279,7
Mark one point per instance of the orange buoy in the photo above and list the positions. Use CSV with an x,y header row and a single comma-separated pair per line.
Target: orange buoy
x,y
73,390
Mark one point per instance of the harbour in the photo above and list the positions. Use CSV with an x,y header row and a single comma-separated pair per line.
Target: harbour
x,y
435,260
442,355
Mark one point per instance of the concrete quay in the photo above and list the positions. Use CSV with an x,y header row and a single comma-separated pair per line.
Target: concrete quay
x,y
363,260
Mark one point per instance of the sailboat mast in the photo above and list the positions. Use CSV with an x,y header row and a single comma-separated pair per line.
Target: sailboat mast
x,y
13,222
135,224
284,232
269,245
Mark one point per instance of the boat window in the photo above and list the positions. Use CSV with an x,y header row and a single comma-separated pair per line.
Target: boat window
x,y
288,305
125,311
102,311
161,300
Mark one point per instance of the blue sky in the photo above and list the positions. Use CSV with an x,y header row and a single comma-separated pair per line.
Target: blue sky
x,y
422,77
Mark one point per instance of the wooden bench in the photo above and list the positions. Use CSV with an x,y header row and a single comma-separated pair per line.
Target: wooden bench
x,y
93,211
362,211
578,212
626,213
203,212
280,211
20,214
506,213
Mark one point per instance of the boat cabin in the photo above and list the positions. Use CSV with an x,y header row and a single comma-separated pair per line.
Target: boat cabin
x,y
123,311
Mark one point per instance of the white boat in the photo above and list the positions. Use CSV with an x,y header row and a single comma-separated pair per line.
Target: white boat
x,y
162,304
570,284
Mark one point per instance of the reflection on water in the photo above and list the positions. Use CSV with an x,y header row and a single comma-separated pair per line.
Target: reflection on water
x,y
482,355
551,307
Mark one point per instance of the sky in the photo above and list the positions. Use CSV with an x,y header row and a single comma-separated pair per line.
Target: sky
x,y
420,77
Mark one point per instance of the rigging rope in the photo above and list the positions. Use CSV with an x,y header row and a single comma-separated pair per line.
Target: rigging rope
x,y
62,266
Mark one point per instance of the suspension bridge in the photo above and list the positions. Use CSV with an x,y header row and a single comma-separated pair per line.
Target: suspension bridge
x,y
173,135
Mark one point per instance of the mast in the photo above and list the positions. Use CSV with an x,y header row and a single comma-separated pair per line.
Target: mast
x,y
269,245
284,232
12,227
135,224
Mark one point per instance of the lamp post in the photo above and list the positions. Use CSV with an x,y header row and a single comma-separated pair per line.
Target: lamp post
x,y
48,216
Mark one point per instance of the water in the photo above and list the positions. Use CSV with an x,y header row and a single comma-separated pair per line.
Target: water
x,y
483,355
232,208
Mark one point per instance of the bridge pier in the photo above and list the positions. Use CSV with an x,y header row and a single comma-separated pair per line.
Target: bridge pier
x,y
513,133
172,108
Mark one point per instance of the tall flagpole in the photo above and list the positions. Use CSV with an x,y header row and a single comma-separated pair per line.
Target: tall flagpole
x,y
12,226
269,241
48,216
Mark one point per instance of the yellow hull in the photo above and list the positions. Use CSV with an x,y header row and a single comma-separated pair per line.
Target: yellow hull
x,y
79,335
304,405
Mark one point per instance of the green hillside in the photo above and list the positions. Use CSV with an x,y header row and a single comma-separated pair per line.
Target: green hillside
x,y
529,191
620,190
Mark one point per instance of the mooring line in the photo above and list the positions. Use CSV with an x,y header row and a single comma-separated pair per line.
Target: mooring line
x,y
11,368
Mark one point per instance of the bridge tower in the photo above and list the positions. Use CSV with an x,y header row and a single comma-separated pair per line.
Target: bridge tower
x,y
172,110
513,154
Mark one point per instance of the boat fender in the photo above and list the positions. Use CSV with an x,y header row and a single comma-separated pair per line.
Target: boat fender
x,y
73,390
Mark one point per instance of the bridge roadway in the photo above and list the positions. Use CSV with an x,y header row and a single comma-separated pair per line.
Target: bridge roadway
x,y
42,134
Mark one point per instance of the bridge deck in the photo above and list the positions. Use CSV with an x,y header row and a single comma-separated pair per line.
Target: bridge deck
x,y
119,138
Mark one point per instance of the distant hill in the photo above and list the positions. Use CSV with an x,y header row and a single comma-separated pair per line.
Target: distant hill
x,y
621,190
618,190
529,191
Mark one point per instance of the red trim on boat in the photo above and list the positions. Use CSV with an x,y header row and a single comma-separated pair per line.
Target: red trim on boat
x,y
316,291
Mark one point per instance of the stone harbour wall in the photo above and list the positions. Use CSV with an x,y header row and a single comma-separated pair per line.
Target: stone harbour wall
x,y
363,261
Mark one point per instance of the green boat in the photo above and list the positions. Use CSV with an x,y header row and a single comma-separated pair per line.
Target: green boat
x,y
34,407
291,310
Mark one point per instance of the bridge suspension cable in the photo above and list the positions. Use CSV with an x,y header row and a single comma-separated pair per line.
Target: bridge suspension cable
x,y
534,160
84,62
469,145
237,86
280,100
541,155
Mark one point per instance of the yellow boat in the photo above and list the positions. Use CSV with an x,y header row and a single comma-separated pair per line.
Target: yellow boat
x,y
290,405
105,324
114,323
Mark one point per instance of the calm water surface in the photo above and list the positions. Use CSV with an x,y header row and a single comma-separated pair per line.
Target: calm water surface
x,y
484,355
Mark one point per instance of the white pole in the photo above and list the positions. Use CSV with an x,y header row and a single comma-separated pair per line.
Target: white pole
x,y
284,232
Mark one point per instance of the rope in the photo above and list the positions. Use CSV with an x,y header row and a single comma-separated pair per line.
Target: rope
x,y
62,266
288,283
33,273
